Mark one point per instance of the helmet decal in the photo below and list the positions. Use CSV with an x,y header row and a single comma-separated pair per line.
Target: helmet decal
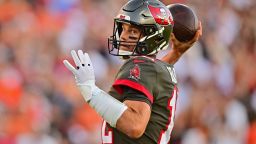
x,y
123,17
160,15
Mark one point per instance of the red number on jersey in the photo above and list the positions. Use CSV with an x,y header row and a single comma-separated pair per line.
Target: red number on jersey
x,y
107,136
166,134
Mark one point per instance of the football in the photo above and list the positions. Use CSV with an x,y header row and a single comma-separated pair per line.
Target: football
x,y
185,22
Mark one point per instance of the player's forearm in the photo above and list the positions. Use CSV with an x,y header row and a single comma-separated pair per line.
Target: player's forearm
x,y
128,125
172,57
133,122
106,106
129,118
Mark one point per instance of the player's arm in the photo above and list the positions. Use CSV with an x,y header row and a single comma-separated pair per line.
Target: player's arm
x,y
134,120
135,114
179,48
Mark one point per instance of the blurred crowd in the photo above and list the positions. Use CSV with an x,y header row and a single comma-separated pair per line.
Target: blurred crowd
x,y
40,104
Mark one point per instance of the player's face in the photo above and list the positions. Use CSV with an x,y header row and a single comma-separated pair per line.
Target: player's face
x,y
130,33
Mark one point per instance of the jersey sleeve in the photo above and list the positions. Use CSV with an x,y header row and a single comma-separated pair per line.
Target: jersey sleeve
x,y
132,94
138,74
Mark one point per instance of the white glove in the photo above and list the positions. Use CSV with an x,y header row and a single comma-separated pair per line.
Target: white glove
x,y
84,73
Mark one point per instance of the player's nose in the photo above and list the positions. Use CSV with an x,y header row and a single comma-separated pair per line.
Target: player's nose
x,y
124,35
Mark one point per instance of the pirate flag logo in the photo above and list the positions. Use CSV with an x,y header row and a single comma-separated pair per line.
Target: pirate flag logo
x,y
135,72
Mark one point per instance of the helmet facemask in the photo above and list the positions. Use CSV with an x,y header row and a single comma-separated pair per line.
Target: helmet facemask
x,y
150,38
115,42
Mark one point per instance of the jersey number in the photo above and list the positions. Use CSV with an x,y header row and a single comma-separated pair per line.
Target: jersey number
x,y
166,134
106,136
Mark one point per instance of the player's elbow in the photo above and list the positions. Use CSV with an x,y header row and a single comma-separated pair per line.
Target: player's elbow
x,y
135,131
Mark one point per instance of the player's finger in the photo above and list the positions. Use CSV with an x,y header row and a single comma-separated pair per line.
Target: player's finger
x,y
173,36
87,60
75,58
197,35
174,39
81,56
200,28
191,42
69,66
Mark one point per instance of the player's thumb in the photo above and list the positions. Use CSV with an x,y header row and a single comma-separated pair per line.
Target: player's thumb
x,y
69,66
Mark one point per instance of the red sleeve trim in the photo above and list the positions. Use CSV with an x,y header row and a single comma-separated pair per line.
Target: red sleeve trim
x,y
133,85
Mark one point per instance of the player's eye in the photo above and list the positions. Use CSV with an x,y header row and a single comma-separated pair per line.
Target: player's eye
x,y
134,31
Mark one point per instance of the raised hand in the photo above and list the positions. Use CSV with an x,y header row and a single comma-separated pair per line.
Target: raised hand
x,y
83,72
179,48
182,47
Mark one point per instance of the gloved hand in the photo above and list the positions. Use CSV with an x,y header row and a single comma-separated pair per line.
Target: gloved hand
x,y
108,107
83,73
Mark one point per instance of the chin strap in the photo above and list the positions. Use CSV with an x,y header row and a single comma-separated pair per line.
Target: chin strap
x,y
124,55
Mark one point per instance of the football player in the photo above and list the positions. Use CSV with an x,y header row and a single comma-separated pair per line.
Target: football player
x,y
140,106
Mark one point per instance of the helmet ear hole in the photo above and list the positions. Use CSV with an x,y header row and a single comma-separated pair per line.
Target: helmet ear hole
x,y
149,30
159,39
142,50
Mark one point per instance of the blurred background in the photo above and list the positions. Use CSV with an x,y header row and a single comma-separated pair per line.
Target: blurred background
x,y
40,104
